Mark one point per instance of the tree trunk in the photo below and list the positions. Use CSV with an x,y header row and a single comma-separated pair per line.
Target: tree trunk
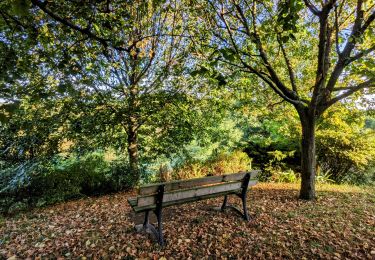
x,y
132,133
133,150
308,157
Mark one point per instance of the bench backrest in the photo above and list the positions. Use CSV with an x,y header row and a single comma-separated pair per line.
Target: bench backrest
x,y
194,188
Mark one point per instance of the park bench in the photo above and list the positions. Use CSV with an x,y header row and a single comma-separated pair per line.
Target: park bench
x,y
155,197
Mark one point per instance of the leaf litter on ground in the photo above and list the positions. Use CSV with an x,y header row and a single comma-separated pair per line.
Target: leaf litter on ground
x,y
340,224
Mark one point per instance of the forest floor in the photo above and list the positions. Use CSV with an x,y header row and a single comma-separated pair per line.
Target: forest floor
x,y
339,225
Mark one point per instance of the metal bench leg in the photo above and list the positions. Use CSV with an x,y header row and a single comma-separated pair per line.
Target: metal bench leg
x,y
158,233
245,185
245,214
158,213
145,223
242,195
224,203
147,227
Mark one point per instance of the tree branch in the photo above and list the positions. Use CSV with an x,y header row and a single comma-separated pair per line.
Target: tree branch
x,y
361,54
356,32
312,7
350,90
337,32
275,78
86,31
367,23
324,47
288,65
17,22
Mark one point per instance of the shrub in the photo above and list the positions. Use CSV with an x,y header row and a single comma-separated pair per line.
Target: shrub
x,y
323,177
276,169
216,165
229,163
43,182
117,176
362,177
345,148
287,176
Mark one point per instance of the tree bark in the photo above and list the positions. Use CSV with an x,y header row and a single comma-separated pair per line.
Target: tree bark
x,y
132,133
133,150
308,156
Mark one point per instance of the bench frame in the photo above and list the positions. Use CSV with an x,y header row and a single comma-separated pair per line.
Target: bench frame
x,y
159,207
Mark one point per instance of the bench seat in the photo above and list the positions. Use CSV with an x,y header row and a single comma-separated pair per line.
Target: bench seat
x,y
154,197
133,201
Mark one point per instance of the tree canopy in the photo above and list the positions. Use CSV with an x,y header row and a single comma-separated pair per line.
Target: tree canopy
x,y
289,82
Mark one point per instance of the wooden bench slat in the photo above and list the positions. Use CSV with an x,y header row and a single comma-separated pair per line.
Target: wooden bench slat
x,y
188,193
132,202
191,193
158,196
192,199
183,201
185,184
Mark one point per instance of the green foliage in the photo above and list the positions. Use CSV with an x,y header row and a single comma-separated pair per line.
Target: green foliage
x,y
194,104
211,72
276,170
323,177
365,176
273,139
216,165
344,145
43,182
279,156
370,123
288,15
287,176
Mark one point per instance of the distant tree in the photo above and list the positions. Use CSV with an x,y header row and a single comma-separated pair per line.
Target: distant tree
x,y
312,54
122,55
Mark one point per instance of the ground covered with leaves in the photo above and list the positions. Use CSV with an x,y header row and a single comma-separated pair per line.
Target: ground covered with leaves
x,y
339,225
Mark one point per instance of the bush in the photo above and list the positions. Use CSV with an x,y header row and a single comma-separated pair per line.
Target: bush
x,y
276,169
117,176
362,177
216,165
45,182
345,148
287,176
323,177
